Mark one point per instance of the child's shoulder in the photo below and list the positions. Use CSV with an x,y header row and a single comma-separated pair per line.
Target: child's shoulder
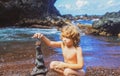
x,y
79,48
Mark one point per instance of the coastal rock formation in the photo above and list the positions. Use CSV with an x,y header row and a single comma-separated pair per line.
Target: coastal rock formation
x,y
11,11
108,25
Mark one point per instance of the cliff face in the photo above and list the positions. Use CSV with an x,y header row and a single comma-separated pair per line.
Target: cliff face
x,y
12,11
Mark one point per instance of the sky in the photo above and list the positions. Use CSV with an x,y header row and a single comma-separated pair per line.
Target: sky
x,y
90,7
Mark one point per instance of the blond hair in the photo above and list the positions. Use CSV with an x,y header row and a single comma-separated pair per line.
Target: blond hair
x,y
72,32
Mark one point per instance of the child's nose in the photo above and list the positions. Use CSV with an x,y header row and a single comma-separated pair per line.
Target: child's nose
x,y
64,39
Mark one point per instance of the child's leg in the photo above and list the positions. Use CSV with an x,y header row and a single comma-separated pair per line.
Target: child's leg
x,y
53,66
70,72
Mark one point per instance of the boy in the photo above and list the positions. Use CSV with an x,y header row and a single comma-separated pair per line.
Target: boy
x,y
72,53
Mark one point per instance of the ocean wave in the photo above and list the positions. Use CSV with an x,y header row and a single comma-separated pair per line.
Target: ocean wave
x,y
24,33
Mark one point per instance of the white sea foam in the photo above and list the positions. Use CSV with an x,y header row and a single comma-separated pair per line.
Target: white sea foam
x,y
24,33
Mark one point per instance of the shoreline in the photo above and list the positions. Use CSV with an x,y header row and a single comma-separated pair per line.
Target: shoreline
x,y
21,63
24,68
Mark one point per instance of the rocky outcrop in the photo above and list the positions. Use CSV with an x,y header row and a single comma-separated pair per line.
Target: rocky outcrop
x,y
11,11
109,24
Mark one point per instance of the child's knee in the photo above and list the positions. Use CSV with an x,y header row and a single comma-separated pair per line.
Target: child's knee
x,y
67,72
82,72
52,64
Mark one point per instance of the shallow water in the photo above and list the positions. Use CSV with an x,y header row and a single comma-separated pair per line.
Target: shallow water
x,y
16,44
85,22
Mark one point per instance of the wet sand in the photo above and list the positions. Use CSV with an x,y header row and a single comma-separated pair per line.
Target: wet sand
x,y
17,59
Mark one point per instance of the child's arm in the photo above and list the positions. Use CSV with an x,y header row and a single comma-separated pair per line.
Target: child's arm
x,y
80,62
47,41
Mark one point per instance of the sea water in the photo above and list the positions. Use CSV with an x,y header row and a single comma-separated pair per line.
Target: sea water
x,y
95,48
88,42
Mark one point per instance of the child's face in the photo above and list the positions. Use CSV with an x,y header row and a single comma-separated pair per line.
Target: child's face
x,y
67,41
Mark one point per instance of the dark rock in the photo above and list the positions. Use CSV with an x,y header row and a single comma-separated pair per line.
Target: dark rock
x,y
11,11
40,68
108,23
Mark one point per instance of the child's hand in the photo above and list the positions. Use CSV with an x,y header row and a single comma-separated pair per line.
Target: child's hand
x,y
37,35
61,65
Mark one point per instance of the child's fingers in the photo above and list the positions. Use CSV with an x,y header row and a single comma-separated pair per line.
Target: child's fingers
x,y
33,36
37,35
40,35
